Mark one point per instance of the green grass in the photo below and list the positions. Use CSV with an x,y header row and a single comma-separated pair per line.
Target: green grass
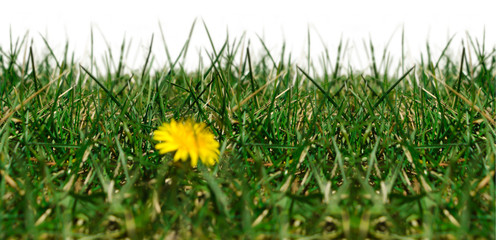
x,y
406,152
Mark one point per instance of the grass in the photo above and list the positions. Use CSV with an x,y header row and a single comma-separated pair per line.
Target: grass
x,y
406,152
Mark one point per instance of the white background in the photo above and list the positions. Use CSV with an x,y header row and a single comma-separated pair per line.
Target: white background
x,y
275,21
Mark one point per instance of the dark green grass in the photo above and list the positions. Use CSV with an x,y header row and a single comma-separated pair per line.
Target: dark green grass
x,y
405,152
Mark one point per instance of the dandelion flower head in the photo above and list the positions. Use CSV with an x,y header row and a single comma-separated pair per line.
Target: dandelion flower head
x,y
189,140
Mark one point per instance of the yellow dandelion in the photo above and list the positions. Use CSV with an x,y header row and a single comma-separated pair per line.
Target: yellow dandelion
x,y
189,140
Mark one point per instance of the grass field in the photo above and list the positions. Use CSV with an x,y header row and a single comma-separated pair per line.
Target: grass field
x,y
405,152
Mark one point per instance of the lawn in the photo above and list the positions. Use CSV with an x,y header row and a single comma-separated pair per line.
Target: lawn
x,y
306,151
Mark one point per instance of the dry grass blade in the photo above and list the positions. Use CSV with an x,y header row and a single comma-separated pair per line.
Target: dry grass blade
x,y
12,111
484,113
235,108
